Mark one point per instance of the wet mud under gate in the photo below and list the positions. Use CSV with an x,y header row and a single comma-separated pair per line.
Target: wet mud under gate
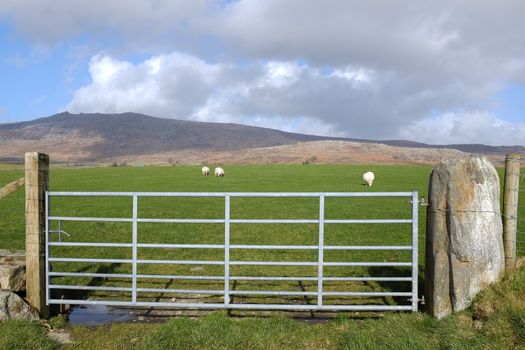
x,y
93,315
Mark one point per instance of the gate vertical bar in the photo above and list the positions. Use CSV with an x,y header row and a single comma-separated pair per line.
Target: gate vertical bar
x,y
321,252
134,250
415,271
226,249
47,248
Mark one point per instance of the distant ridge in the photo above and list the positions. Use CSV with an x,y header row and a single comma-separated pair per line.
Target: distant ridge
x,y
133,133
99,137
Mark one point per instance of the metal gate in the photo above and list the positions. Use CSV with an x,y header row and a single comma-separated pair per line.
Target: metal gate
x,y
225,294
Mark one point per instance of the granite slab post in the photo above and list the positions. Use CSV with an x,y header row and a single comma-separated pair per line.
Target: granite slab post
x,y
464,243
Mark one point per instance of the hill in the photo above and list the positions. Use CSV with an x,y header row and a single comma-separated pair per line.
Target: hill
x,y
132,137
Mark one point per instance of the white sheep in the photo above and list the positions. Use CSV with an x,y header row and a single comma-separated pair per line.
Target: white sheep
x,y
219,172
205,171
368,178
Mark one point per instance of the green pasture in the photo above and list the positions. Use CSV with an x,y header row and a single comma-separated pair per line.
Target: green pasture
x,y
496,320
274,178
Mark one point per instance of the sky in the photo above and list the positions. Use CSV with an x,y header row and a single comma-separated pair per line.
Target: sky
x,y
439,72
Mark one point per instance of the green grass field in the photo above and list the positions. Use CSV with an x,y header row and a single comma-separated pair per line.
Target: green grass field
x,y
275,178
495,321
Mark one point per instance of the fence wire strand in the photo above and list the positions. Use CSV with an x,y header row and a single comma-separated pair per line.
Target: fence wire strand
x,y
12,220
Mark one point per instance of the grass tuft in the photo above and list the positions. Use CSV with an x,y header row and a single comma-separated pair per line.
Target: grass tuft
x,y
217,331
57,322
24,335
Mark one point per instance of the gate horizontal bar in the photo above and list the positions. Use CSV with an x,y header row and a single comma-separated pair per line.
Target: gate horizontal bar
x,y
234,221
369,294
218,262
274,263
123,261
272,278
181,246
332,307
75,218
183,221
116,289
264,278
231,194
317,194
268,246
269,292
177,277
367,247
275,221
316,221
368,263
90,244
90,194
89,274
221,246
181,291
311,278
236,278
370,221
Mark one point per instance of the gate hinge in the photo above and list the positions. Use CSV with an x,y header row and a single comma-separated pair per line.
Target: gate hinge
x,y
419,300
422,202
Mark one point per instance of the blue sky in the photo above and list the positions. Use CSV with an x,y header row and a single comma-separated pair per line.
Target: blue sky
x,y
511,103
431,72
33,83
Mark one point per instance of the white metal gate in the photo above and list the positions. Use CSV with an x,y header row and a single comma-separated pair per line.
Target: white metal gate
x,y
227,292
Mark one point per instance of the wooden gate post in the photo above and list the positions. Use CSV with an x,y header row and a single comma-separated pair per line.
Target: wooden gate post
x,y
510,208
37,182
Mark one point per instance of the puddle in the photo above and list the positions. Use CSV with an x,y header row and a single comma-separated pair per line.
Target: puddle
x,y
91,315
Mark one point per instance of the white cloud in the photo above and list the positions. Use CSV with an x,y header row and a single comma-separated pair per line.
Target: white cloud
x,y
174,84
104,69
277,94
466,127
352,102
280,74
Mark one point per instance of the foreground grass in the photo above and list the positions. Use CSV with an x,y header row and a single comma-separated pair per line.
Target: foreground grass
x,y
16,335
495,321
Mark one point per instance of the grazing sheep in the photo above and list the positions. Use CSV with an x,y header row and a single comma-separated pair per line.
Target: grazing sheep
x,y
368,178
219,172
205,171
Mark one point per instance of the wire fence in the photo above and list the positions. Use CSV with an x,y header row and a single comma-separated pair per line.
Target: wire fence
x,y
12,220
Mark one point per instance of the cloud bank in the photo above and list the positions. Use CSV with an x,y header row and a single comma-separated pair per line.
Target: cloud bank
x,y
426,71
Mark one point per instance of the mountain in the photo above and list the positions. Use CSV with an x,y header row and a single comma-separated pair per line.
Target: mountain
x,y
111,137
468,148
